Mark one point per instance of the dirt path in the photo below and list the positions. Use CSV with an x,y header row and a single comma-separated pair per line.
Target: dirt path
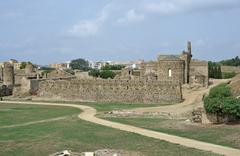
x,y
89,113
33,122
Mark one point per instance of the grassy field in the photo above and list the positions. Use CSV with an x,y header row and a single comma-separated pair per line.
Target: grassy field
x,y
227,135
104,107
73,134
15,114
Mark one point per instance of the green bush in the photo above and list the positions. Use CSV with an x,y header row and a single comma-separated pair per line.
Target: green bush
x,y
221,103
213,105
231,107
94,72
220,91
105,74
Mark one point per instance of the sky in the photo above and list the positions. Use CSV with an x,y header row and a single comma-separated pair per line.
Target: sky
x,y
52,31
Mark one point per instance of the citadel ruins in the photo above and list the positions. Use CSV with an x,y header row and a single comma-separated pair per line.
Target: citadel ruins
x,y
157,81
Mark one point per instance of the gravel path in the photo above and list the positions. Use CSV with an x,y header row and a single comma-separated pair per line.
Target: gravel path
x,y
89,113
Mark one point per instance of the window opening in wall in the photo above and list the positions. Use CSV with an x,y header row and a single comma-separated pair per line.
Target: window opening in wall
x,y
169,72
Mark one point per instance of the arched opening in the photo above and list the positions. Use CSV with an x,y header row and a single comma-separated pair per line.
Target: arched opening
x,y
169,72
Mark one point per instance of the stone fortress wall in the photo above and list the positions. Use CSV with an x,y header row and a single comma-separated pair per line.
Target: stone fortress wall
x,y
177,68
129,91
155,82
7,78
199,72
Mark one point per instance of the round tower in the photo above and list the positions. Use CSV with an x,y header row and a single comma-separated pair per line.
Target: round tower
x,y
8,74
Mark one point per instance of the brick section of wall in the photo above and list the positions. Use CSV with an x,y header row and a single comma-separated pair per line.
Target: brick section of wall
x,y
129,91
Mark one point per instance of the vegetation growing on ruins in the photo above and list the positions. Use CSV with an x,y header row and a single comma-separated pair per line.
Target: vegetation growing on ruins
x,y
221,102
24,64
80,64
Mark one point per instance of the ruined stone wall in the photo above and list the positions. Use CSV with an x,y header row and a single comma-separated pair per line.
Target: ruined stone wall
x,y
229,69
1,73
5,90
176,67
130,91
8,74
147,68
58,74
199,72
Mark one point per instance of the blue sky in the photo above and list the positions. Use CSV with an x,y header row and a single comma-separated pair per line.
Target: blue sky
x,y
50,31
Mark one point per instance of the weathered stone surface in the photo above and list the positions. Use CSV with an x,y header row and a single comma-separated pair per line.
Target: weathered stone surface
x,y
197,115
8,74
130,91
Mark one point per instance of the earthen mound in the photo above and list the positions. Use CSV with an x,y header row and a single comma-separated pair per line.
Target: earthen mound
x,y
235,86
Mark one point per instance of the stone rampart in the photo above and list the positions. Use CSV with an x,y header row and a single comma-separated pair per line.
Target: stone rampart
x,y
128,91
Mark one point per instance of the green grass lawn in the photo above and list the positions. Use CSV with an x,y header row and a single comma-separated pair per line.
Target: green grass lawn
x,y
76,135
14,114
227,135
107,106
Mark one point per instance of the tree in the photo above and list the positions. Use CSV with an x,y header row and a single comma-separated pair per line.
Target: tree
x,y
112,67
23,65
231,62
80,64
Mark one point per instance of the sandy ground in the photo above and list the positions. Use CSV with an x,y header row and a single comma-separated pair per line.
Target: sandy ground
x,y
89,113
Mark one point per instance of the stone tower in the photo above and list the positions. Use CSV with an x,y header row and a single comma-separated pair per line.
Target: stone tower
x,y
29,68
187,56
1,73
8,74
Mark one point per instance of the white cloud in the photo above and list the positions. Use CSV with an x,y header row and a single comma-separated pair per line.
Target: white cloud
x,y
131,16
166,7
90,27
